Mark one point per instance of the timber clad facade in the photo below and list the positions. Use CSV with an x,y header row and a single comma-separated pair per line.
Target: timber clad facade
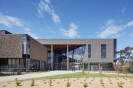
x,y
21,52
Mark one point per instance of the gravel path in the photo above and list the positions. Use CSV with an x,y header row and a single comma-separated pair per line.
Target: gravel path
x,y
33,75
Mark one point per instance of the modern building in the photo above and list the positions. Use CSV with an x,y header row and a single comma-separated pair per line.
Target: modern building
x,y
21,52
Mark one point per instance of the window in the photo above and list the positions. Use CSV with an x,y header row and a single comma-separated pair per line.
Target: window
x,y
26,46
115,43
89,50
103,50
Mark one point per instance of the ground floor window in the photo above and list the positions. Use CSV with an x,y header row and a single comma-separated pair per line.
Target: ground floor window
x,y
95,66
107,66
3,64
35,65
14,65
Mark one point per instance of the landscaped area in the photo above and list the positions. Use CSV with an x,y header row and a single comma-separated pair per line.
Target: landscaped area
x,y
74,80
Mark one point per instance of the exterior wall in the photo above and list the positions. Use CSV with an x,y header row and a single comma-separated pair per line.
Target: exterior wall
x,y
37,50
95,48
10,46
96,51
2,32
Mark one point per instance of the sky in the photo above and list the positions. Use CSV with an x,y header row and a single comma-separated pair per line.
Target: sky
x,y
70,19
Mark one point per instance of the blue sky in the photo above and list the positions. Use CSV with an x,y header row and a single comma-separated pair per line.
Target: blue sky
x,y
70,19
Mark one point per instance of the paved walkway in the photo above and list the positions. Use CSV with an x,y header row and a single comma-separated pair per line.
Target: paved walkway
x,y
43,74
33,75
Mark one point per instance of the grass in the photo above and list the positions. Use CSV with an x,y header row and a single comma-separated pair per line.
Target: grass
x,y
80,75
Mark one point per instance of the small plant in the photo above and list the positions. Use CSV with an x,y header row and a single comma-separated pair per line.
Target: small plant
x,y
4,85
58,82
32,82
18,82
50,82
85,84
101,82
120,84
45,82
9,83
68,84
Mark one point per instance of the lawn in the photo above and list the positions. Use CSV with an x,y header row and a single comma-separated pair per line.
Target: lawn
x,y
80,75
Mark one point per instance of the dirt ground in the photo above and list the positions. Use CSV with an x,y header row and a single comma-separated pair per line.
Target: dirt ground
x,y
74,83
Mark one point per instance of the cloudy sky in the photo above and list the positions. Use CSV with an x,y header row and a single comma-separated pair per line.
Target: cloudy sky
x,y
70,19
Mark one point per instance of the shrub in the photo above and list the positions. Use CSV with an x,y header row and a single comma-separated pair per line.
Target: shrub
x,y
68,84
4,85
120,84
32,82
58,82
85,84
126,69
50,82
18,82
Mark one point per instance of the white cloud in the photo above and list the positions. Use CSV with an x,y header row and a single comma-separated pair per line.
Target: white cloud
x,y
111,29
27,29
131,35
45,6
47,1
71,32
52,31
10,21
110,21
123,10
130,23
32,35
119,35
55,17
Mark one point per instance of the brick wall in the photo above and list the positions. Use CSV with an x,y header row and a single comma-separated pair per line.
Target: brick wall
x,y
10,46
37,50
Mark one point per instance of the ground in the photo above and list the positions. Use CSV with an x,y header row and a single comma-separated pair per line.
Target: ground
x,y
76,80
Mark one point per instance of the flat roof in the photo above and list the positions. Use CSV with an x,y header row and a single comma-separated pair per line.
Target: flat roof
x,y
72,41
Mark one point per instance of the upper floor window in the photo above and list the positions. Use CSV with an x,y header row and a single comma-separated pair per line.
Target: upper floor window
x,y
103,50
89,50
25,45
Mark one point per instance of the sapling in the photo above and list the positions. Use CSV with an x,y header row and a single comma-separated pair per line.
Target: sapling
x,y
85,84
50,82
32,82
18,82
68,84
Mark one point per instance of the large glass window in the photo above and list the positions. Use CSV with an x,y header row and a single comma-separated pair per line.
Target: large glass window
x,y
3,64
34,65
76,55
26,46
115,48
60,57
48,66
89,50
16,64
103,50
